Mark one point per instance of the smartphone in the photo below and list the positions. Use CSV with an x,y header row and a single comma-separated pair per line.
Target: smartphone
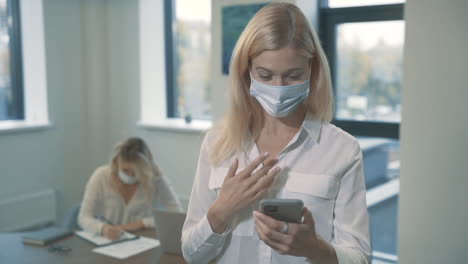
x,y
287,210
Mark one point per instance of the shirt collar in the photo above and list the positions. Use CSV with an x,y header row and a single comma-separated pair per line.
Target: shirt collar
x,y
312,126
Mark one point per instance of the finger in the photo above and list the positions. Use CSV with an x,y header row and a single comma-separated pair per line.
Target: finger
x,y
254,164
115,232
266,180
232,169
112,235
279,247
261,172
272,234
255,196
261,185
308,218
272,173
269,221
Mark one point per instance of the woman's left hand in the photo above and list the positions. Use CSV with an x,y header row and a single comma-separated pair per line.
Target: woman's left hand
x,y
299,240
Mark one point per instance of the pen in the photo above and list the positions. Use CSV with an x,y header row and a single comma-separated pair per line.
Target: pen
x,y
121,231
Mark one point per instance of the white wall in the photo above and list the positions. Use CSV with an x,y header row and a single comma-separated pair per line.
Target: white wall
x,y
55,157
433,212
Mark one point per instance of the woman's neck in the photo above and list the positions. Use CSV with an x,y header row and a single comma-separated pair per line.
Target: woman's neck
x,y
279,125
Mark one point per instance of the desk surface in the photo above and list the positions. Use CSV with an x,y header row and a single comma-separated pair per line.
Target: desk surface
x,y
12,250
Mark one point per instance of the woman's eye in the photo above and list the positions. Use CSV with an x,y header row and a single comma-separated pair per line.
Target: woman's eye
x,y
265,78
295,77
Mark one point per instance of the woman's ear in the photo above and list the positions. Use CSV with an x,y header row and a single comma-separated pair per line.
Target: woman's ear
x,y
249,68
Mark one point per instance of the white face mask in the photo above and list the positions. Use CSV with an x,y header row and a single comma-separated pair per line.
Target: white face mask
x,y
126,179
279,101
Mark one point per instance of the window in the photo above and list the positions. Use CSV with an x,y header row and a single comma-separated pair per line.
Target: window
x,y
348,3
368,71
11,79
364,45
188,63
363,40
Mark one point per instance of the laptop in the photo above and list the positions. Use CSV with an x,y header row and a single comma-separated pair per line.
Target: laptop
x,y
169,230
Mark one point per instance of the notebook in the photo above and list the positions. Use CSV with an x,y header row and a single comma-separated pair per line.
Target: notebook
x,y
101,241
46,236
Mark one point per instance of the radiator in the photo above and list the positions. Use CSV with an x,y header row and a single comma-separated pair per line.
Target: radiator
x,y
28,211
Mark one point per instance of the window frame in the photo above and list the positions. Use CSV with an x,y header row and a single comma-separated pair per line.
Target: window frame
x,y
17,111
329,18
172,63
171,69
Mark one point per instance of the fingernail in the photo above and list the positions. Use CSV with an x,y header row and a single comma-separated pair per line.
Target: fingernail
x,y
255,213
266,154
277,168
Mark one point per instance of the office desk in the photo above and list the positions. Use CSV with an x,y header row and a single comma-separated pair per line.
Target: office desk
x,y
12,250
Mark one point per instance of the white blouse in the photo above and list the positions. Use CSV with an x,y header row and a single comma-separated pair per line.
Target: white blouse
x,y
103,204
321,165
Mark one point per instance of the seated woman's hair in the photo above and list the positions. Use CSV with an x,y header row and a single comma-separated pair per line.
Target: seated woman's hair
x,y
134,150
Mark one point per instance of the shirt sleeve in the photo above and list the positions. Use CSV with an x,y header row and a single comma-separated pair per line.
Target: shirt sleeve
x,y
200,243
351,223
91,199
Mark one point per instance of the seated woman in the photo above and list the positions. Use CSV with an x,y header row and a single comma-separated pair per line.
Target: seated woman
x,y
121,196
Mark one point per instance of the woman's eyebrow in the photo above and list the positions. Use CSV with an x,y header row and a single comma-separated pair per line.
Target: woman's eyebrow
x,y
288,71
264,69
294,69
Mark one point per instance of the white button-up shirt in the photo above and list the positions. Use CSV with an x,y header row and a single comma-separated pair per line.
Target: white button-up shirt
x,y
102,203
321,165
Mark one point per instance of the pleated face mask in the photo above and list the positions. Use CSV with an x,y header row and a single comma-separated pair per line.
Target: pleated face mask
x,y
279,101
127,179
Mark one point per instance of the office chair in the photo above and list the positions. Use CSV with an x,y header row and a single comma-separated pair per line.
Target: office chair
x,y
70,220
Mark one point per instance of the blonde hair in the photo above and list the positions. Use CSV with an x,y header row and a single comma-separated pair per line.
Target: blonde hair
x,y
134,150
275,26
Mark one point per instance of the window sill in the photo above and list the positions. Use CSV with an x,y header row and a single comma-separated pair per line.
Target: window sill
x,y
13,127
177,125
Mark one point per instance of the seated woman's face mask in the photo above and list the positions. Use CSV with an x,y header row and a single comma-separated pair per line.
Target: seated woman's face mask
x,y
279,101
127,179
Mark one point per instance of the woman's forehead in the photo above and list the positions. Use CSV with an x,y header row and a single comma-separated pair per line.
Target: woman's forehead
x,y
280,60
126,164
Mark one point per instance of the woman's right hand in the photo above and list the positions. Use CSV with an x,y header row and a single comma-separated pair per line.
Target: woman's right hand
x,y
111,232
240,190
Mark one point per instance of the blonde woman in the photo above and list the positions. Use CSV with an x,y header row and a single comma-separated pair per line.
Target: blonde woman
x,y
276,142
122,195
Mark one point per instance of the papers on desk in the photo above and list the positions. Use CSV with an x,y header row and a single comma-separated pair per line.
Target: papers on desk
x,y
128,248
